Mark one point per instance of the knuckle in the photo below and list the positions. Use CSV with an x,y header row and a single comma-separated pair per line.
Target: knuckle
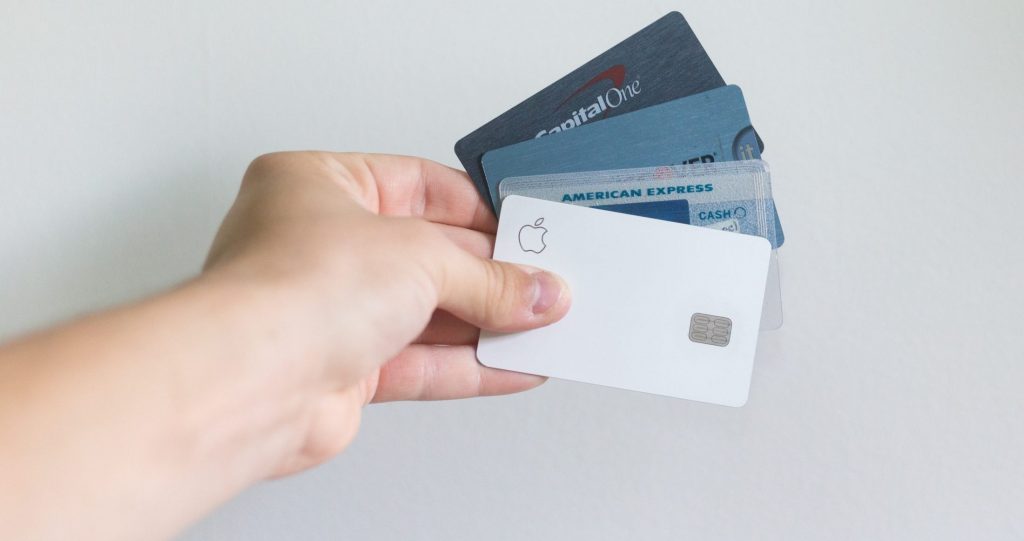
x,y
267,162
271,163
418,242
418,236
263,168
503,291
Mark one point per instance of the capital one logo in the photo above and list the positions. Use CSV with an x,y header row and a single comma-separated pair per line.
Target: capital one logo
x,y
614,97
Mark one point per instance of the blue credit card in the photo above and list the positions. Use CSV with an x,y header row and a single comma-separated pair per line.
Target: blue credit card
x,y
731,196
662,62
712,126
671,211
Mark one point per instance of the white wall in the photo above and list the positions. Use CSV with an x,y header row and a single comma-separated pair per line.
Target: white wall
x,y
888,407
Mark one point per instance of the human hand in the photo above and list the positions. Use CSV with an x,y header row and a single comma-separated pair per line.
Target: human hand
x,y
382,264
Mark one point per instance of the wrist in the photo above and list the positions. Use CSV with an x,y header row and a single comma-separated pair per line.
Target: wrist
x,y
268,369
192,396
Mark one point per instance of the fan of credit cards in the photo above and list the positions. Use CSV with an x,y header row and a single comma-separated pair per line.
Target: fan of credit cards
x,y
647,128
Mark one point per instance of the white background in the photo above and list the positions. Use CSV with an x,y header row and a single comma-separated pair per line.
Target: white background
x,y
888,406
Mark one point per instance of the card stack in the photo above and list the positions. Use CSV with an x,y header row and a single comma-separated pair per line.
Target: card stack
x,y
649,128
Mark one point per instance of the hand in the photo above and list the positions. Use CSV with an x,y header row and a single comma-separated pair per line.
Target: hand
x,y
384,265
336,280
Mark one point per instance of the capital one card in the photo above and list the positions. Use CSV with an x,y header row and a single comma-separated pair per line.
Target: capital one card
x,y
712,126
662,62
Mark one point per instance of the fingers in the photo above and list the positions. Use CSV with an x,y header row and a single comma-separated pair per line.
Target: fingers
x,y
447,329
442,373
472,241
495,295
384,184
407,186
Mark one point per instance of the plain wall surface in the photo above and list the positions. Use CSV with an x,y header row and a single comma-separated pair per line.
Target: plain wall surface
x,y
887,407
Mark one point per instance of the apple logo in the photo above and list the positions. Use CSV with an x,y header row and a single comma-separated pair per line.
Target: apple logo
x,y
531,237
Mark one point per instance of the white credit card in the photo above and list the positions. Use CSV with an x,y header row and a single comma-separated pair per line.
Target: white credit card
x,y
658,306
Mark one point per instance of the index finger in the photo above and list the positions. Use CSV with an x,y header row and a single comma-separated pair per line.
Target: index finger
x,y
408,186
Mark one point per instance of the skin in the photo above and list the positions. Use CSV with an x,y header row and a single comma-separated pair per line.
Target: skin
x,y
336,280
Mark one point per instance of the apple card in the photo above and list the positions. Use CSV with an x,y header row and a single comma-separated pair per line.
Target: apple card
x,y
658,306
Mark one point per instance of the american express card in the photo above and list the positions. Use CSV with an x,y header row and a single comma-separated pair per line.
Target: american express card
x,y
671,211
733,196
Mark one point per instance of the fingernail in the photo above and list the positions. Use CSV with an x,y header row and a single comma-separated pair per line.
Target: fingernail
x,y
549,290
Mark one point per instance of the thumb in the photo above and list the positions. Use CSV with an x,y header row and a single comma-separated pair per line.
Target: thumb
x,y
499,296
